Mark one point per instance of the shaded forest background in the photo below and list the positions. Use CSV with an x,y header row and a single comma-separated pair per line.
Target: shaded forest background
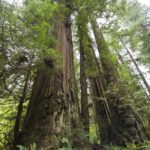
x,y
71,75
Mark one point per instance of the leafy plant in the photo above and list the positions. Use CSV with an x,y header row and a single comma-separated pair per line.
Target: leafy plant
x,y
66,143
32,147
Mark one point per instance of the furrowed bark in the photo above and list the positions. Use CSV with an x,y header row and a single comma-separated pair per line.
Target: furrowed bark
x,y
69,80
53,96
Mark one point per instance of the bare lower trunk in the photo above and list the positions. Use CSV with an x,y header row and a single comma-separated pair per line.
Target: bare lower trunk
x,y
44,121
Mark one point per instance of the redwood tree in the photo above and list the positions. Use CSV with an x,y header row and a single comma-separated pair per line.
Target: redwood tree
x,y
125,123
53,102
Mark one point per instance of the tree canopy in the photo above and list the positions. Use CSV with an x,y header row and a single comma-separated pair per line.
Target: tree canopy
x,y
72,75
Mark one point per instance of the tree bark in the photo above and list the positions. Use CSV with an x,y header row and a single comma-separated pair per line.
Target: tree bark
x,y
125,127
99,98
53,96
109,71
20,109
69,80
102,110
83,82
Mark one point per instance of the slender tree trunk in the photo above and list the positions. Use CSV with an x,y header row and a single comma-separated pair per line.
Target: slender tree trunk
x,y
99,98
137,67
140,84
101,105
83,82
121,59
20,109
102,110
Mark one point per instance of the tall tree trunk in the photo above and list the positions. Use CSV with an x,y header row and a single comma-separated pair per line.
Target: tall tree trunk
x,y
99,97
140,84
109,71
137,67
83,82
53,95
69,80
125,127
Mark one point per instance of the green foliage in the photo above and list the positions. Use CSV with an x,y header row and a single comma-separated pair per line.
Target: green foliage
x,y
32,30
143,146
52,54
39,18
32,147
66,143
93,134
145,48
21,147
7,116
25,32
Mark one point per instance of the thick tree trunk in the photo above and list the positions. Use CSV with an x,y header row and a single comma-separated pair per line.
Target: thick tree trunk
x,y
125,127
53,96
69,81
44,120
